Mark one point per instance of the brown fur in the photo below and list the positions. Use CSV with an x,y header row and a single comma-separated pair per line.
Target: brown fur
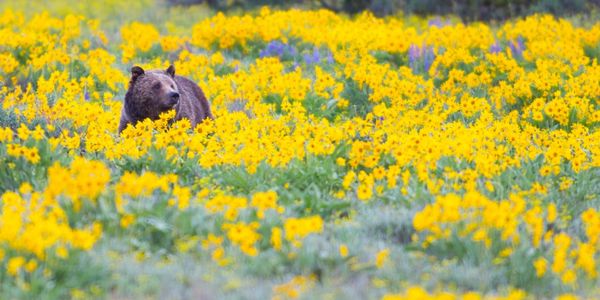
x,y
153,92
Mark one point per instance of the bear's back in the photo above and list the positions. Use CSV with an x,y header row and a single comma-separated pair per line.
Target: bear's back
x,y
193,104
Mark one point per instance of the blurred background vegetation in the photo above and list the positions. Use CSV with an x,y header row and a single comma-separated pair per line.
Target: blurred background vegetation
x,y
157,11
468,10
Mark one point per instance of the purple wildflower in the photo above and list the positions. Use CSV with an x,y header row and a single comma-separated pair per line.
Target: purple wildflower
x,y
428,57
521,43
517,48
277,48
495,48
307,59
330,59
420,56
313,58
413,55
437,22
316,55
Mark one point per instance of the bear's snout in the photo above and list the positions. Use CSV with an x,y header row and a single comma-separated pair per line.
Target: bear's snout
x,y
173,98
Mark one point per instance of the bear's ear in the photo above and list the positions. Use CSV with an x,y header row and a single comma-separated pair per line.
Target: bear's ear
x,y
136,71
171,71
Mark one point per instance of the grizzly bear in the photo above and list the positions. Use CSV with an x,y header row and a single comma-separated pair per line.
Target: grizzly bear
x,y
155,91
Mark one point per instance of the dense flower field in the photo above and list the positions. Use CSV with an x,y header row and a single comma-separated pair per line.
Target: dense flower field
x,y
396,158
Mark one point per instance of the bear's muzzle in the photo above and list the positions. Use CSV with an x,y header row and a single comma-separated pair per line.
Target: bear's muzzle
x,y
173,98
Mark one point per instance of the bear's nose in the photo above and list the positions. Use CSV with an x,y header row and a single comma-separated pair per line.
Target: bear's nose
x,y
174,97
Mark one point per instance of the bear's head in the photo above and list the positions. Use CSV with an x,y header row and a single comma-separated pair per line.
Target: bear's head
x,y
151,93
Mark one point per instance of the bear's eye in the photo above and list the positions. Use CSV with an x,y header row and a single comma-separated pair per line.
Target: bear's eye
x,y
156,86
172,86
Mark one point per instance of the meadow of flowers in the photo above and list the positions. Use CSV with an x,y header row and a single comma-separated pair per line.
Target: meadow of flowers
x,y
350,158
